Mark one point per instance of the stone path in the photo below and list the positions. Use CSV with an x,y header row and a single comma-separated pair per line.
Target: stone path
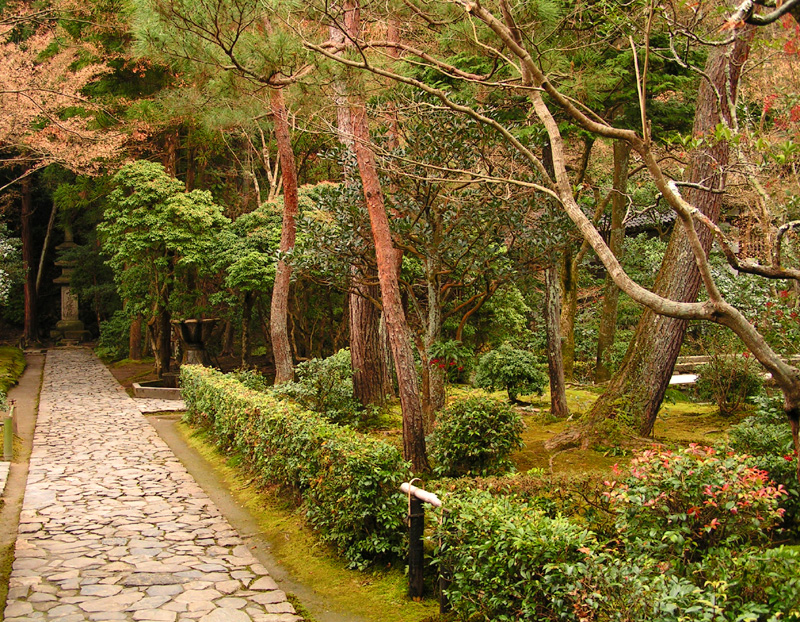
x,y
112,525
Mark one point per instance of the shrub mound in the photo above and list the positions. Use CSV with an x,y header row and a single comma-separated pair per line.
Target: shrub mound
x,y
475,436
349,483
516,371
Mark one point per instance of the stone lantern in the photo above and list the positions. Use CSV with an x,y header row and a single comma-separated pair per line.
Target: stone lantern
x,y
69,328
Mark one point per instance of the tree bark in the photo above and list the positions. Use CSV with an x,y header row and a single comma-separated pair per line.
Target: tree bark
x,y
227,339
164,340
636,391
31,325
399,338
45,247
279,309
569,309
366,351
135,339
555,366
247,315
608,317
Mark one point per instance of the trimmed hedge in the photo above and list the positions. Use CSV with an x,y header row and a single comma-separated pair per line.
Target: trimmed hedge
x,y
349,483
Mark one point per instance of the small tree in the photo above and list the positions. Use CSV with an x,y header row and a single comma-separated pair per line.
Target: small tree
x,y
516,371
158,238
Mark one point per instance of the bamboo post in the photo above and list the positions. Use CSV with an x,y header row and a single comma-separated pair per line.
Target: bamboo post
x,y
8,435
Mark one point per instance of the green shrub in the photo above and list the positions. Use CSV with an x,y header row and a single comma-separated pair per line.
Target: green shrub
x,y
252,379
516,371
678,504
325,386
767,438
114,337
349,483
509,561
453,357
729,380
475,436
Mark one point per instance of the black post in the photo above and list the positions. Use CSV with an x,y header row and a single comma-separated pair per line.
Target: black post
x,y
445,577
416,551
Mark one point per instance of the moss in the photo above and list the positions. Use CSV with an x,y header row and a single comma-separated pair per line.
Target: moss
x,y
12,364
376,596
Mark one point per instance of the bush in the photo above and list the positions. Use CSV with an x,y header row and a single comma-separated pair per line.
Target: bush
x,y
516,371
509,561
475,436
453,357
325,386
767,437
728,380
252,379
114,337
678,504
349,483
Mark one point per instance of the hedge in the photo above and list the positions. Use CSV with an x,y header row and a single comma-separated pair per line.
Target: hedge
x,y
349,483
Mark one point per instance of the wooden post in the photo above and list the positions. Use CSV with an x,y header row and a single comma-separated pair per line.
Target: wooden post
x,y
416,549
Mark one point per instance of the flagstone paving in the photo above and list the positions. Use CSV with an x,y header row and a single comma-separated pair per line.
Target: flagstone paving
x,y
112,525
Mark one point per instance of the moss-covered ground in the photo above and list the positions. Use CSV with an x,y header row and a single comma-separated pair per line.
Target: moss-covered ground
x,y
12,364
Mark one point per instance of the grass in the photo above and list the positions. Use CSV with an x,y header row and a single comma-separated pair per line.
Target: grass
x,y
377,596
12,364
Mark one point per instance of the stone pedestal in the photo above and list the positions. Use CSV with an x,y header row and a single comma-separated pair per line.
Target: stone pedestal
x,y
193,334
69,328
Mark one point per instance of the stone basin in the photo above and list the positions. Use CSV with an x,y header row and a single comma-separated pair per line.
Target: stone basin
x,y
164,389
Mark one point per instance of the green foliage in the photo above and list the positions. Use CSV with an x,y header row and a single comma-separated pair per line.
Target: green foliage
x,y
453,357
512,555
114,339
157,236
11,273
325,386
729,380
516,371
252,379
475,436
509,561
767,438
679,504
349,483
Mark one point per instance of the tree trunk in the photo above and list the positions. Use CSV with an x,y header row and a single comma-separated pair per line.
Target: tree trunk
x,y
608,317
279,309
45,247
164,350
247,315
227,339
366,353
569,309
135,339
31,328
636,391
555,366
399,339
433,332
